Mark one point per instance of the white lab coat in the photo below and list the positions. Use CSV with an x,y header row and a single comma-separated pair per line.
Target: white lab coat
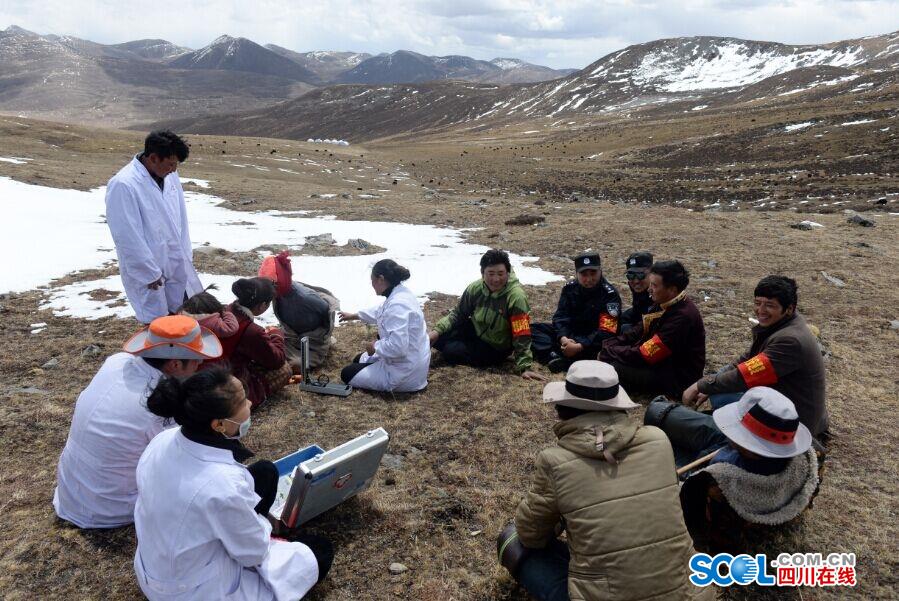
x,y
96,485
152,240
403,352
198,536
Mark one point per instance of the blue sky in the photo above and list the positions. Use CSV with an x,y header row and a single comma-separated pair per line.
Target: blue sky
x,y
557,33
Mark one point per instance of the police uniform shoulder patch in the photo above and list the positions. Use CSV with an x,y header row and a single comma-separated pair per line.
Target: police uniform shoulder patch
x,y
613,309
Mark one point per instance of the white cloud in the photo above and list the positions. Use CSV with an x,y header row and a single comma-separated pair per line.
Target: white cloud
x,y
558,33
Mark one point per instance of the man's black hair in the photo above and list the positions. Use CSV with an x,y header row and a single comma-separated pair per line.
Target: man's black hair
x,y
495,257
673,273
782,288
164,143
568,412
156,362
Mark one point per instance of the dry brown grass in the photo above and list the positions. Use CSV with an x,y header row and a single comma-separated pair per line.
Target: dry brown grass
x,y
469,440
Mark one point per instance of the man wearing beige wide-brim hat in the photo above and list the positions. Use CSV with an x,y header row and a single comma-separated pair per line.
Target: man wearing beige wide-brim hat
x,y
611,484
111,427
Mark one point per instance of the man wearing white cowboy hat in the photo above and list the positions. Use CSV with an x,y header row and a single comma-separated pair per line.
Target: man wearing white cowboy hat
x,y
96,486
612,486
764,472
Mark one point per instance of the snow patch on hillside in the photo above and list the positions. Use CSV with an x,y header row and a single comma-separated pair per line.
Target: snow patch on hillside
x,y
731,65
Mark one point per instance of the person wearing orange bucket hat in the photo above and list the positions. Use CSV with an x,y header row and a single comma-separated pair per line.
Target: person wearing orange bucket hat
x,y
302,310
96,486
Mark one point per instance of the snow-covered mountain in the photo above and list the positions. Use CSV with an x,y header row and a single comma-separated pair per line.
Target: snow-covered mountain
x,y
684,74
67,78
404,66
240,54
325,64
153,49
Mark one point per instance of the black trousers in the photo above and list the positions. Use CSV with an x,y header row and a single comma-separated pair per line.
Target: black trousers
x,y
265,483
461,346
349,372
648,380
545,340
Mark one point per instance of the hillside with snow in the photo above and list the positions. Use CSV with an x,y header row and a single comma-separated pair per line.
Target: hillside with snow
x,y
684,74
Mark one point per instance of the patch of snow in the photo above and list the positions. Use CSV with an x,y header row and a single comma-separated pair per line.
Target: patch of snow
x,y
810,223
859,122
797,126
15,160
72,219
700,107
733,64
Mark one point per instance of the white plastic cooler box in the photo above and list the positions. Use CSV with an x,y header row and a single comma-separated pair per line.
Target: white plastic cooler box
x,y
312,480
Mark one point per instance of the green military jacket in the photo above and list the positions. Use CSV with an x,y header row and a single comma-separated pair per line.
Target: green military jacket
x,y
501,319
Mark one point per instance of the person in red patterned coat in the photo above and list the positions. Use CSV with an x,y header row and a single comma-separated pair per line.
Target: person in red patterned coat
x,y
258,358
666,352
784,355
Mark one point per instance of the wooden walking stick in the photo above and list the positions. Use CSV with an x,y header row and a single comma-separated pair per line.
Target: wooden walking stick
x,y
697,463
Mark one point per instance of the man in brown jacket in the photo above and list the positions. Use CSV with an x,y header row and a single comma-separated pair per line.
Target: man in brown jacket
x,y
784,355
666,353
611,485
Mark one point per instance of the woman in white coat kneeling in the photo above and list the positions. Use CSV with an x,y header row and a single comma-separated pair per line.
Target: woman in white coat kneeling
x,y
200,516
399,360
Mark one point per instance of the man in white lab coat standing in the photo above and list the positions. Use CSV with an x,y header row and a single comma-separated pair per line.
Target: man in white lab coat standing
x,y
147,217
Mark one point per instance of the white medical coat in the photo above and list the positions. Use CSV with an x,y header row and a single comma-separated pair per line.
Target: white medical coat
x,y
152,240
96,485
198,536
403,352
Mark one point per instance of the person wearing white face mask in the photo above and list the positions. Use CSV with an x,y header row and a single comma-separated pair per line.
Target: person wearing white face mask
x,y
200,516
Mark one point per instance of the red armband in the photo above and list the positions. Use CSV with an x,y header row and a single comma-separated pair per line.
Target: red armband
x,y
758,371
654,350
607,323
521,325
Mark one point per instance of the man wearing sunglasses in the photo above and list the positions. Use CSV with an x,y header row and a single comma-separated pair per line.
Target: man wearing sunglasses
x,y
637,275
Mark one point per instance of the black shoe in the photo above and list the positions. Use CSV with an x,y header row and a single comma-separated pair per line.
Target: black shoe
x,y
557,363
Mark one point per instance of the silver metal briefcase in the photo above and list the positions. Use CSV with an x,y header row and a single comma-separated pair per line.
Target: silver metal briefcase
x,y
313,481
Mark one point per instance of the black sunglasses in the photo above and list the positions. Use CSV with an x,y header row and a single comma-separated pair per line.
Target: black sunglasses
x,y
635,276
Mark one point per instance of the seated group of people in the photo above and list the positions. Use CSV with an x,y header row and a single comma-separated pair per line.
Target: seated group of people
x,y
201,515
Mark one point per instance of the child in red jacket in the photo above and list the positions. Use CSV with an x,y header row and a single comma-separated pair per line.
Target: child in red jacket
x,y
258,358
211,314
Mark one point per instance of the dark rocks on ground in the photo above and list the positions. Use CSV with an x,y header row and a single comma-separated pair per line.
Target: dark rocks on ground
x,y
346,195
833,280
210,251
862,221
52,363
397,568
539,203
392,462
91,350
26,390
319,240
804,225
358,243
526,220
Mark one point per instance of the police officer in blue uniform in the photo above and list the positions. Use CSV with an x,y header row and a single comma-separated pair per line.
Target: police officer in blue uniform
x,y
637,274
587,314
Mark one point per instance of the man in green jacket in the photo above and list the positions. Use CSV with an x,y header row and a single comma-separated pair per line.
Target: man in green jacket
x,y
491,321
611,485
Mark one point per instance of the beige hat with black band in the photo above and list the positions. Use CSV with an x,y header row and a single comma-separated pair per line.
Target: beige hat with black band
x,y
591,386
